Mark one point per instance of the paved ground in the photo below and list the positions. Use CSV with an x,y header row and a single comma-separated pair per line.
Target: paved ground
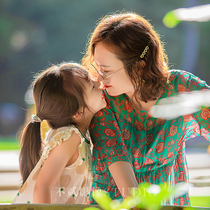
x,y
198,162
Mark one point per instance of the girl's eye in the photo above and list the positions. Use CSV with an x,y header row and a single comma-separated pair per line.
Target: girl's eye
x,y
93,86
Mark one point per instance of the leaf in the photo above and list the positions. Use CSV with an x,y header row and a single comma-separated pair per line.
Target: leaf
x,y
91,208
102,198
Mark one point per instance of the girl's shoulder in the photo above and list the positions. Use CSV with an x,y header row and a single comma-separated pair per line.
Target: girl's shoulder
x,y
56,137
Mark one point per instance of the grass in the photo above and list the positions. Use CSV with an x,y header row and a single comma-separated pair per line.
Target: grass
x,y
9,143
200,201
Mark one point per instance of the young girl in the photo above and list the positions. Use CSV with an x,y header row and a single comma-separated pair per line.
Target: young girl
x,y
58,170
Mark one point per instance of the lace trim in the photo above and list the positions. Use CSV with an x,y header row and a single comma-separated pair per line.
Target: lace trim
x,y
58,139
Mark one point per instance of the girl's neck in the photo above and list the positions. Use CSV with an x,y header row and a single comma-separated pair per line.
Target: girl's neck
x,y
83,123
82,129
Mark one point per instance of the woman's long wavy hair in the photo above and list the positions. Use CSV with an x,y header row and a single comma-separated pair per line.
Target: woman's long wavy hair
x,y
58,94
126,35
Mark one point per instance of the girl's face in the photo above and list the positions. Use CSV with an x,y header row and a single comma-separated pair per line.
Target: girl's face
x,y
115,79
94,98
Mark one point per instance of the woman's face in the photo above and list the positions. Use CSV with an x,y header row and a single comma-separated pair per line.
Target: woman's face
x,y
118,82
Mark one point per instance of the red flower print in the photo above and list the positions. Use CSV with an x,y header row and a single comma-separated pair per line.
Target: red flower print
x,y
171,77
136,152
169,93
92,126
111,142
117,193
128,106
115,124
117,115
139,125
159,147
104,155
196,129
173,130
108,189
180,140
129,119
137,165
126,134
150,122
170,154
102,123
181,201
160,121
181,177
98,168
112,182
99,114
187,118
181,88
149,161
205,113
149,139
109,132
194,83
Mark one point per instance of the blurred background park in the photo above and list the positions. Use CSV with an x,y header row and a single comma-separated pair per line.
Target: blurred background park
x,y
35,33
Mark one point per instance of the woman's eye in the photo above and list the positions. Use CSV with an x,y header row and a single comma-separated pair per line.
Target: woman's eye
x,y
106,72
93,86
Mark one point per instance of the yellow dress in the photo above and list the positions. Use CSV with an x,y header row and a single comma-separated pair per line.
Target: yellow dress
x,y
73,186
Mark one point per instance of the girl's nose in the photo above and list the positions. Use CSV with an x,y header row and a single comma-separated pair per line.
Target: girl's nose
x,y
97,84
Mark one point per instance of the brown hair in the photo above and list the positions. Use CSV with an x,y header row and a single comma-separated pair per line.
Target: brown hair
x,y
127,35
58,94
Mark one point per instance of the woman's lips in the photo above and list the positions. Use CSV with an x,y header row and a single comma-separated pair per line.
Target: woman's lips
x,y
107,86
103,86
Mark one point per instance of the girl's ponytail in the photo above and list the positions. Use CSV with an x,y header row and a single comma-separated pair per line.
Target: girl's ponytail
x,y
31,145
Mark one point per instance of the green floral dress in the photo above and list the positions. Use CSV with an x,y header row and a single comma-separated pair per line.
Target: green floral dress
x,y
155,147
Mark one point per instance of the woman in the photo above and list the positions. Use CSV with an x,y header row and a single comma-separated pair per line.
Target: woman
x,y
126,55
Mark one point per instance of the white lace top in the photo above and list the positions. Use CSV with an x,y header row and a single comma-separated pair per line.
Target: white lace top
x,y
74,184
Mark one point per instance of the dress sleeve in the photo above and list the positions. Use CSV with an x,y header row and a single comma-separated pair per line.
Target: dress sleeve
x,y
189,82
57,137
107,140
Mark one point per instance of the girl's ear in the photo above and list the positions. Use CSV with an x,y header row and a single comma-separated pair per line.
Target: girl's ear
x,y
78,115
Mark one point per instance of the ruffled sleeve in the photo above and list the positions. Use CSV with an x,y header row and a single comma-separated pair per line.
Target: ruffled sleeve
x,y
57,137
188,82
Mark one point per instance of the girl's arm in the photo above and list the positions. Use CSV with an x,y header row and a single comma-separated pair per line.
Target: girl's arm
x,y
51,170
124,177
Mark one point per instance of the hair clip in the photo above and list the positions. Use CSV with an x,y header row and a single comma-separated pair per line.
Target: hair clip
x,y
144,52
35,118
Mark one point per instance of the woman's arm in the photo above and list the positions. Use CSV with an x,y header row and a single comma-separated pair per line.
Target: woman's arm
x,y
124,177
51,170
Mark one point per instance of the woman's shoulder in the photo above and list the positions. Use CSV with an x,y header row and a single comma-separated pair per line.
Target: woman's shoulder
x,y
177,72
176,75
